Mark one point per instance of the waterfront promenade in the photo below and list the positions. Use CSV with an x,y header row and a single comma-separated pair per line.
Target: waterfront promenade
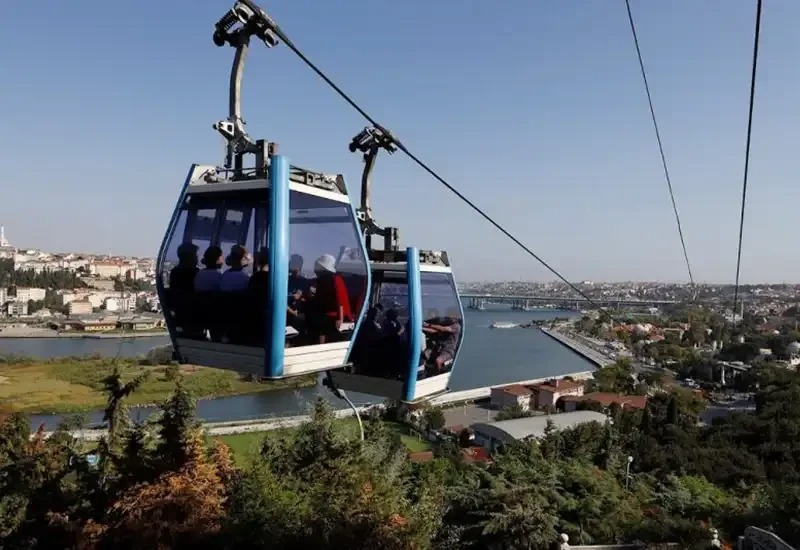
x,y
451,399
598,358
37,332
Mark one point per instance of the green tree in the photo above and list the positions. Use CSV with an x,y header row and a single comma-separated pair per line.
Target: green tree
x,y
116,417
175,427
512,411
434,418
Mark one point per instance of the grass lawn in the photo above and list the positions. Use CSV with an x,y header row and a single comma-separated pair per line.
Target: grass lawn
x,y
69,385
246,444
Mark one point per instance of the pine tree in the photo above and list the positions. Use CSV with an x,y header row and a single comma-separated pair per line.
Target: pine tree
x,y
672,411
174,428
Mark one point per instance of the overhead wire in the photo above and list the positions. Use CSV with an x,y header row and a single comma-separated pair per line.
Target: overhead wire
x,y
747,154
658,139
286,40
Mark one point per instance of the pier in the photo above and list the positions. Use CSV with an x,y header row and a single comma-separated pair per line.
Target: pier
x,y
589,353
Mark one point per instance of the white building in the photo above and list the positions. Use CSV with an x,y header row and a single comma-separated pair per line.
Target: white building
x,y
107,269
16,309
35,294
548,394
6,250
80,307
515,395
491,435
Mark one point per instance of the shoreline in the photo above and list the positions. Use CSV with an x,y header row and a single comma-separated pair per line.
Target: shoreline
x,y
133,407
591,355
89,336
258,425
68,386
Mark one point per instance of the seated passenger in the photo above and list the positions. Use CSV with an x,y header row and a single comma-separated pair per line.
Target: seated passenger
x,y
392,328
423,356
259,282
207,279
236,279
296,281
298,289
181,277
258,287
372,327
330,305
448,332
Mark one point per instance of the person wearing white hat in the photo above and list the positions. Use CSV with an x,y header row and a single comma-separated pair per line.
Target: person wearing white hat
x,y
331,304
325,264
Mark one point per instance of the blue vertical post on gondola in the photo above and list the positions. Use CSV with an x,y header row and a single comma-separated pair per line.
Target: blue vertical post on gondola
x,y
278,254
414,322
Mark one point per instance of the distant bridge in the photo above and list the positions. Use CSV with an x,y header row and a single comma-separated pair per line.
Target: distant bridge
x,y
477,301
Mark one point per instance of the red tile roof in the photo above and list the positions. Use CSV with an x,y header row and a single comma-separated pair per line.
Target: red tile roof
x,y
558,386
422,456
517,390
607,399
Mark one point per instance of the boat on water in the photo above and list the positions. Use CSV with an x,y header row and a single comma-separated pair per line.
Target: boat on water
x,y
502,324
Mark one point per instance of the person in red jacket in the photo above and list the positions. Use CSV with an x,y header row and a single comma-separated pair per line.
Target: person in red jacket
x,y
331,303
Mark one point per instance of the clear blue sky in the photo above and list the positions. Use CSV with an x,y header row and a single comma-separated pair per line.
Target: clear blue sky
x,y
536,111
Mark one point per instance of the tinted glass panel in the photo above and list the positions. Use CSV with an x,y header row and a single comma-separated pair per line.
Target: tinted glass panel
x,y
209,288
200,227
381,349
442,322
382,346
327,274
170,258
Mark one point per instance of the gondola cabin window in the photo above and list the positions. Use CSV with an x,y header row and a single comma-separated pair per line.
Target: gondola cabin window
x,y
442,322
382,347
325,295
208,268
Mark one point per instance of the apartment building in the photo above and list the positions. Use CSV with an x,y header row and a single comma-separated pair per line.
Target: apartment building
x,y
35,294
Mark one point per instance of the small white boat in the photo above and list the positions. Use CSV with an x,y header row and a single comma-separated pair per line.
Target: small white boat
x,y
502,324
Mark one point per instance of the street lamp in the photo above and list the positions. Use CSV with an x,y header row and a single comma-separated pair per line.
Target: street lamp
x,y
628,472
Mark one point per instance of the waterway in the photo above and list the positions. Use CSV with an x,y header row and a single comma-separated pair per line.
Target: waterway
x,y
488,357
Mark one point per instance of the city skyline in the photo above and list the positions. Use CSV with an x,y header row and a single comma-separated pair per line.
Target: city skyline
x,y
567,160
113,254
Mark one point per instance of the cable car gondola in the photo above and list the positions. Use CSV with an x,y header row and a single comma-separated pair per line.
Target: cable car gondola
x,y
407,345
243,318
271,317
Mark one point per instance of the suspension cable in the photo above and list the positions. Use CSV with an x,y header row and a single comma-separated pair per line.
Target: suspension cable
x,y
747,155
282,35
658,139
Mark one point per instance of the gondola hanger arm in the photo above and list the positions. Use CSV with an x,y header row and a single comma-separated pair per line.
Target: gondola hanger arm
x,y
239,24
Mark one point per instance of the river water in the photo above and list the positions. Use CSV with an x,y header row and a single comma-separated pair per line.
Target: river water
x,y
488,357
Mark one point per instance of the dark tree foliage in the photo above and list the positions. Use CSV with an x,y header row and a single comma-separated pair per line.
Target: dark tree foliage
x,y
653,474
53,280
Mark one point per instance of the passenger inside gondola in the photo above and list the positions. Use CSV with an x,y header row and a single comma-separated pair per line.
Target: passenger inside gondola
x,y
258,288
298,290
329,304
235,278
181,288
207,279
445,334
297,283
259,282
181,277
